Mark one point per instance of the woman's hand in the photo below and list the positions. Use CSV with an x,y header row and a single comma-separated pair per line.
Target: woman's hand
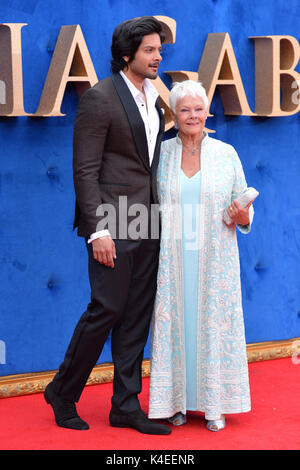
x,y
238,214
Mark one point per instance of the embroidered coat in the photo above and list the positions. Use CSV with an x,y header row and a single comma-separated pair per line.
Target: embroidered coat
x,y
222,369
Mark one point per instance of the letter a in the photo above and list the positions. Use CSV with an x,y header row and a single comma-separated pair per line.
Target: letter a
x,y
71,62
218,67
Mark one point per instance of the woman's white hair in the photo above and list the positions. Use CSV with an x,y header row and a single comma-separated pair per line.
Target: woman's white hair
x,y
187,88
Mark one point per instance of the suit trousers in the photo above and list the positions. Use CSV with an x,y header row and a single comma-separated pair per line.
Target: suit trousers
x,y
122,300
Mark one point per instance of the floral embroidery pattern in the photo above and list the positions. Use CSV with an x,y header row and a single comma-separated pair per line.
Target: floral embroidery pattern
x,y
222,369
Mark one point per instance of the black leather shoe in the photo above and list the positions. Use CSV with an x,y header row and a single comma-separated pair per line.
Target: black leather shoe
x,y
65,412
137,420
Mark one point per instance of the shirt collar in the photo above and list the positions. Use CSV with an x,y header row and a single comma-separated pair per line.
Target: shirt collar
x,y
148,87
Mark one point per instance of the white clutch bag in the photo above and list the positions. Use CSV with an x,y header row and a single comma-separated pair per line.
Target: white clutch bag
x,y
248,195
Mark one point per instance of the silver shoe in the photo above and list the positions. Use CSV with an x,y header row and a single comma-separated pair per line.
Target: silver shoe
x,y
216,424
178,419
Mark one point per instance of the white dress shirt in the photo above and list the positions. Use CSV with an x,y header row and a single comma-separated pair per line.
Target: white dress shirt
x,y
151,121
147,110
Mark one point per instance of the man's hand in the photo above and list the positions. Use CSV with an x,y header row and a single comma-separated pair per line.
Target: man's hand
x,y
104,251
238,214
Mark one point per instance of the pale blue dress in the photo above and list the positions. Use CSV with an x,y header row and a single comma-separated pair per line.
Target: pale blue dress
x,y
190,189
198,348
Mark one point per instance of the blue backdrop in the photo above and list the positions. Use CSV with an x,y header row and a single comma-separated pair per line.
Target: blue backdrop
x,y
43,278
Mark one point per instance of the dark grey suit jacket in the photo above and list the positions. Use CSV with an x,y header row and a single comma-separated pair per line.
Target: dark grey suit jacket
x,y
111,156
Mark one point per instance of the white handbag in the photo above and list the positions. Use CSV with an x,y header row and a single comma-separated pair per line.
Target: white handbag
x,y
247,196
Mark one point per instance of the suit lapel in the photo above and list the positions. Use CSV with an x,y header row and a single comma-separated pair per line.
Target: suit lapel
x,y
160,134
134,118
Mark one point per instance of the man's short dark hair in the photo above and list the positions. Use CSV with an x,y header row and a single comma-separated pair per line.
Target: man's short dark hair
x,y
128,36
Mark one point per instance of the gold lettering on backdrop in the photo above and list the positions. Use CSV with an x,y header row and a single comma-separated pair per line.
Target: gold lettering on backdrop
x,y
169,28
275,78
180,75
71,62
218,68
277,84
11,76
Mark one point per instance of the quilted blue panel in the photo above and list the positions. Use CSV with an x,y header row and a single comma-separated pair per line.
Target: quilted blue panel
x,y
43,277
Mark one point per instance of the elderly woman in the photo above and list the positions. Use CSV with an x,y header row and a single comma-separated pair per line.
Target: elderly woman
x,y
198,357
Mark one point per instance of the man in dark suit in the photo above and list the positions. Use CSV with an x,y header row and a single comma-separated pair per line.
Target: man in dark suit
x,y
117,135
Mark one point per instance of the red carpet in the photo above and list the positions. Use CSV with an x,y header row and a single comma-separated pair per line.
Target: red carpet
x,y
273,424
